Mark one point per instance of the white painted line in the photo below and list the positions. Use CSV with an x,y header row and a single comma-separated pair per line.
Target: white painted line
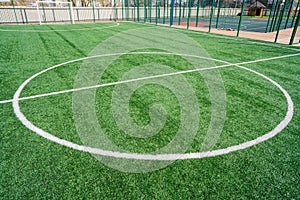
x,y
6,101
267,59
115,83
47,31
137,156
142,78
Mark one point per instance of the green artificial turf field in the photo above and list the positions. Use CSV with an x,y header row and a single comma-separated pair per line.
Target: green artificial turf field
x,y
189,115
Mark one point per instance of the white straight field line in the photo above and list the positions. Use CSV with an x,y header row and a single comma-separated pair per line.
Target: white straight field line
x,y
148,77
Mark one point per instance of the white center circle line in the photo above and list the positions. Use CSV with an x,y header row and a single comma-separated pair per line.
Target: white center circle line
x,y
137,156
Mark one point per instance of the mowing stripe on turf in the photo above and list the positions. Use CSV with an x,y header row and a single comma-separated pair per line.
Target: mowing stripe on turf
x,y
225,37
142,78
47,31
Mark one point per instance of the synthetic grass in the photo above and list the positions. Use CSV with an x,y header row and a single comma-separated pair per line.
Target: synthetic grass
x,y
32,167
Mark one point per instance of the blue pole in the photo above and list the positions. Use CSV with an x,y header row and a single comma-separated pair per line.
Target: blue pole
x,y
172,12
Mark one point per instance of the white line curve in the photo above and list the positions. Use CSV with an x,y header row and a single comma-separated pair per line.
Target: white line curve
x,y
275,131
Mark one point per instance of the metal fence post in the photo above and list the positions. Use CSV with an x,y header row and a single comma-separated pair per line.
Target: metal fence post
x,y
23,20
197,13
183,10
145,11
164,17
53,14
218,15
122,10
13,5
126,10
115,10
138,10
270,14
241,19
168,9
25,15
150,9
189,15
175,12
279,22
70,11
274,13
276,16
134,13
45,19
156,12
295,14
93,7
211,14
295,28
78,18
179,17
172,12
289,13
